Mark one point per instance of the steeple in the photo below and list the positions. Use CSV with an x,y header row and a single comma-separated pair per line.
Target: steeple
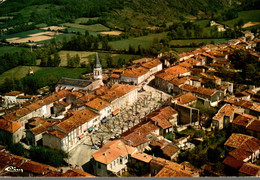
x,y
97,62
97,70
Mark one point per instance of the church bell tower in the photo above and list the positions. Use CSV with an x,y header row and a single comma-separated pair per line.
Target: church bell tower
x,y
97,69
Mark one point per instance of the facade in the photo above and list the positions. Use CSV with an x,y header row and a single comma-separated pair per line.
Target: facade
x,y
10,131
112,158
225,116
65,135
11,97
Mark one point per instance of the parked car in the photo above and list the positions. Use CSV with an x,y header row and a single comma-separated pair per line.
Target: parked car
x,y
95,147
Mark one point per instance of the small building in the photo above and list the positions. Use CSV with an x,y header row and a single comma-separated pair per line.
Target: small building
x,y
10,131
135,75
112,158
225,116
11,97
187,99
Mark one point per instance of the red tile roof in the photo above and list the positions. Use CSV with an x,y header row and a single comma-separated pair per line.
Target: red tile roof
x,y
137,135
184,98
40,129
13,93
226,110
135,72
9,126
98,104
254,126
57,133
142,157
162,116
198,90
76,173
232,162
152,64
112,151
250,169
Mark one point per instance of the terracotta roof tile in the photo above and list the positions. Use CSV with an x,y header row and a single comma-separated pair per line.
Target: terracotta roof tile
x,y
36,121
40,129
184,98
9,126
142,157
242,120
254,126
135,72
226,110
152,64
239,154
137,135
57,133
76,173
232,162
116,91
98,104
79,118
113,150
13,93
243,103
162,116
115,76
36,167
198,90
88,97
250,169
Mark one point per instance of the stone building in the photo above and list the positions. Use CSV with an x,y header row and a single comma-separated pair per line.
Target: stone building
x,y
10,132
112,158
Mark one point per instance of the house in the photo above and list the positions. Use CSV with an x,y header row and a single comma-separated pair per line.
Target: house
x,y
246,124
11,97
163,168
34,135
120,95
154,66
252,108
206,77
165,118
225,116
10,131
187,99
138,135
112,158
135,75
101,107
142,159
164,149
249,169
163,77
208,96
67,133
242,148
187,114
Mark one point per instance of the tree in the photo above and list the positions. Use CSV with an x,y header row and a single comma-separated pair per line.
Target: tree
x,y
109,62
56,59
50,61
17,149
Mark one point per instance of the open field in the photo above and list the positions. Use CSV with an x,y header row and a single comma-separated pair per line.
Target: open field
x,y
23,34
116,33
144,41
249,24
29,39
94,27
84,56
84,20
246,16
10,49
17,72
53,28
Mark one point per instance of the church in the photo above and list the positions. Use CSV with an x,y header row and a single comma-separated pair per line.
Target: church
x,y
80,84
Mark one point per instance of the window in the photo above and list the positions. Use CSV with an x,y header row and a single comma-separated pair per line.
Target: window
x,y
99,166
121,161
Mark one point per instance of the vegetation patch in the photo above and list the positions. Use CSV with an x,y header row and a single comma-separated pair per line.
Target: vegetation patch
x,y
94,27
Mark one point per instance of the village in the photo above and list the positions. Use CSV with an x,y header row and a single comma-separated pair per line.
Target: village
x,y
151,119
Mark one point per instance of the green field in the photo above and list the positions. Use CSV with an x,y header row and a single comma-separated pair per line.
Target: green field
x,y
144,41
84,56
94,27
23,34
10,49
17,72
84,20
82,31
252,15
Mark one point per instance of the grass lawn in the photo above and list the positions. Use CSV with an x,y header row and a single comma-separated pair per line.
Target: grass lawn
x,y
17,72
10,49
251,15
144,41
94,27
82,31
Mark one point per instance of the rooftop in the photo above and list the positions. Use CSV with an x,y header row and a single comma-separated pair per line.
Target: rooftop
x,y
152,64
112,151
226,110
198,90
250,169
9,126
14,93
142,157
184,98
98,104
135,72
74,82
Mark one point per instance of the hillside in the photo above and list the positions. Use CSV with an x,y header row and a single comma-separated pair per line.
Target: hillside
x,y
120,13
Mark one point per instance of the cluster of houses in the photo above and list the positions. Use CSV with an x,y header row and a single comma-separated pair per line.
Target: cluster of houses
x,y
77,107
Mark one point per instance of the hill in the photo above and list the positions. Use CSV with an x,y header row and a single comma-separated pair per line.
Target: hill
x,y
119,13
